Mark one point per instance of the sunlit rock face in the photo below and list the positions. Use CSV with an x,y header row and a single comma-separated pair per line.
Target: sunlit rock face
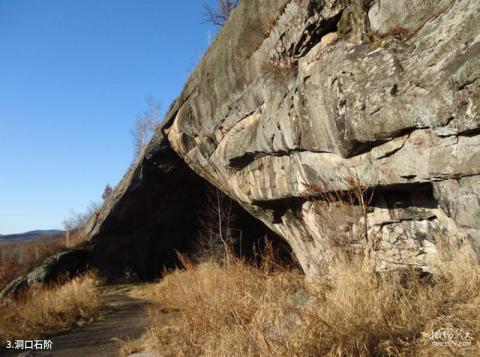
x,y
342,125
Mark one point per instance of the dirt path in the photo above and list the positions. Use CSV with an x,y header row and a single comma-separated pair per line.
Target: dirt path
x,y
124,318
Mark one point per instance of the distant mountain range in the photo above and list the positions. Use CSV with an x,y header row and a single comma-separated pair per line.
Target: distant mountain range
x,y
32,235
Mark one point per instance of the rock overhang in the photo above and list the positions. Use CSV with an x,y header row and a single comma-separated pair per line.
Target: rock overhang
x,y
295,98
389,108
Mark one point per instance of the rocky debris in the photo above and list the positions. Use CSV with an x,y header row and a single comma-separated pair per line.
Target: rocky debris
x,y
351,125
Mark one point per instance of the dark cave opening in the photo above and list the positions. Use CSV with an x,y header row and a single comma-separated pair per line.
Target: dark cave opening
x,y
160,216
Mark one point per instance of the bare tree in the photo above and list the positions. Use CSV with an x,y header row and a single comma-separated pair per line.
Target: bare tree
x,y
146,125
73,225
220,14
217,235
78,220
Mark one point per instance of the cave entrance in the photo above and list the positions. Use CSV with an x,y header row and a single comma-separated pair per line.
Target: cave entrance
x,y
224,226
167,209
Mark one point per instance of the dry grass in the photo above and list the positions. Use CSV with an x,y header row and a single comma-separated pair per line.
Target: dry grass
x,y
279,69
9,270
47,310
239,310
399,33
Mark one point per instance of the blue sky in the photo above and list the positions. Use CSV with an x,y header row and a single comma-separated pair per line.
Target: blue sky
x,y
74,75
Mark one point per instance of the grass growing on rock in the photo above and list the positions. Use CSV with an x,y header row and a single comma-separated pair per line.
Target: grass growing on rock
x,y
48,310
241,310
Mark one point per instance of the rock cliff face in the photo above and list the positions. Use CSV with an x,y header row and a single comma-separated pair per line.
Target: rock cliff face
x,y
351,125
343,125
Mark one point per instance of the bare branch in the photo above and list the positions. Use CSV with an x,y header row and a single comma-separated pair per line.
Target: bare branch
x,y
217,235
219,15
146,125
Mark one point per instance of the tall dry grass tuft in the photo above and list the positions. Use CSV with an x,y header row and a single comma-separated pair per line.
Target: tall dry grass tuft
x,y
48,310
240,310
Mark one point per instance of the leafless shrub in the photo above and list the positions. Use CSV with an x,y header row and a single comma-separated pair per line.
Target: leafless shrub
x,y
146,125
219,15
78,220
279,69
73,225
217,235
399,33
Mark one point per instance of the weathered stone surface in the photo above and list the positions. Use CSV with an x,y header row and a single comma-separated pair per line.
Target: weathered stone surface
x,y
393,105
460,199
386,15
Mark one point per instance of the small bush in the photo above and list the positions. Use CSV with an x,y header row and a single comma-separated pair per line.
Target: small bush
x,y
280,69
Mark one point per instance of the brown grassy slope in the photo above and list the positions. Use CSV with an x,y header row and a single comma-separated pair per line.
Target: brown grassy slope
x,y
48,310
239,310
19,258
